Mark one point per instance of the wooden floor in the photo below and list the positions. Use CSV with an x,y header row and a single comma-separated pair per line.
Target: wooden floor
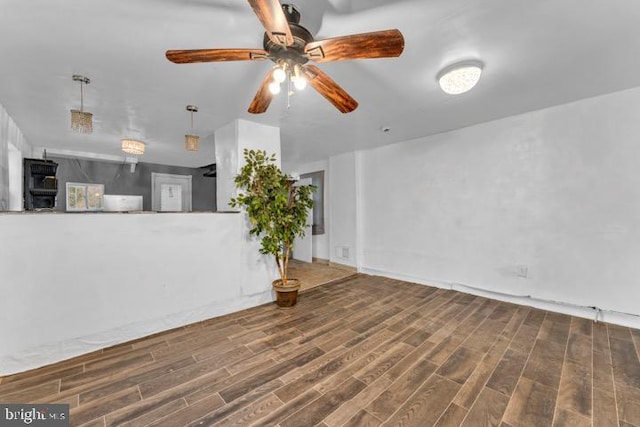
x,y
362,352
312,274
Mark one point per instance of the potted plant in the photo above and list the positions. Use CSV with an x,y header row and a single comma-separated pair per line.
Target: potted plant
x,y
277,211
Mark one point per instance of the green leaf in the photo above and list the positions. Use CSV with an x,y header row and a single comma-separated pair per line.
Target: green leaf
x,y
277,210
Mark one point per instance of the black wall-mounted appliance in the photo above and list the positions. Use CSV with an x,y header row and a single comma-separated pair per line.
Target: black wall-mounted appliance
x,y
209,170
40,184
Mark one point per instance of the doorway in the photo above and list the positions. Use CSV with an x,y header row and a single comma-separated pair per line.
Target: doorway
x,y
170,193
303,246
320,239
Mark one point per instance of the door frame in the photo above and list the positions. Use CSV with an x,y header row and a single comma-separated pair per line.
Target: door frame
x,y
304,245
157,179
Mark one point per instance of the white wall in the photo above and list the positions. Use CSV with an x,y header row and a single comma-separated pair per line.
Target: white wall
x,y
9,134
74,283
320,241
16,182
343,233
545,204
230,142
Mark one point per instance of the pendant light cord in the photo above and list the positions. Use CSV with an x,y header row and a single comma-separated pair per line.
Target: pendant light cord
x,y
81,98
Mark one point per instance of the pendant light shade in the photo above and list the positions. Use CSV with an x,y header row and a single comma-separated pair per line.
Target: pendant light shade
x,y
133,146
81,121
192,142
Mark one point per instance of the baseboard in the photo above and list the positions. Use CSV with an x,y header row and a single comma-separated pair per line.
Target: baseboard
x,y
622,319
320,261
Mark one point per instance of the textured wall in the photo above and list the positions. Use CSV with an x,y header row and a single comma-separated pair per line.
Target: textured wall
x,y
81,282
343,210
545,204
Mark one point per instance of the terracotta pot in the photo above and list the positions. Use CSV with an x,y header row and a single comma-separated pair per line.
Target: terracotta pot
x,y
286,296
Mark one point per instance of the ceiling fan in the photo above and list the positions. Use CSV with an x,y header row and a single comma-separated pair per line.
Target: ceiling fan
x,y
291,46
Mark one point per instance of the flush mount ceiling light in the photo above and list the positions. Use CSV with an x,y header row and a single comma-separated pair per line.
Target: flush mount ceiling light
x,y
132,146
192,142
81,121
460,77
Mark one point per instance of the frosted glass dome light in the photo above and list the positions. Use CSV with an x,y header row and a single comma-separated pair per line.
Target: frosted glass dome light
x,y
460,77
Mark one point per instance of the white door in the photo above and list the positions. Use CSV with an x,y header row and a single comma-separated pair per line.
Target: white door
x,y
303,246
170,193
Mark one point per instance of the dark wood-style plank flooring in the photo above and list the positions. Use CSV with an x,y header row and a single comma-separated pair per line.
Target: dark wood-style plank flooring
x,y
317,273
366,351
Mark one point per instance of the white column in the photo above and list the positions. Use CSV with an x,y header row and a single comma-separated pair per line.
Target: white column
x,y
230,142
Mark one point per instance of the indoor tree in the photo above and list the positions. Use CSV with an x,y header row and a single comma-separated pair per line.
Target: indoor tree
x,y
277,209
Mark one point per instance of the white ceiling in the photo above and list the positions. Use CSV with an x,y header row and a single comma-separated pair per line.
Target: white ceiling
x,y
536,53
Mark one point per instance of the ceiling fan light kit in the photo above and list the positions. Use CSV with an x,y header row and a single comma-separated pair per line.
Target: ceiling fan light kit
x,y
299,80
81,121
290,46
282,71
460,77
192,142
279,73
274,87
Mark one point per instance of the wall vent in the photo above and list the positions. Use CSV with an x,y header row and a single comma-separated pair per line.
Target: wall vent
x,y
342,252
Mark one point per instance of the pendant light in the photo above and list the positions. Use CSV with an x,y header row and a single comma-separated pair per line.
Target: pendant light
x,y
133,146
81,121
192,142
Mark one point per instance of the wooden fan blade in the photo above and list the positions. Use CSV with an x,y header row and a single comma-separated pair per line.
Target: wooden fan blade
x,y
330,89
263,97
213,55
273,20
379,44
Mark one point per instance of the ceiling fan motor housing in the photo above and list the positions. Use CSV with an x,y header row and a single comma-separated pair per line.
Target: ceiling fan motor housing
x,y
293,54
292,13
